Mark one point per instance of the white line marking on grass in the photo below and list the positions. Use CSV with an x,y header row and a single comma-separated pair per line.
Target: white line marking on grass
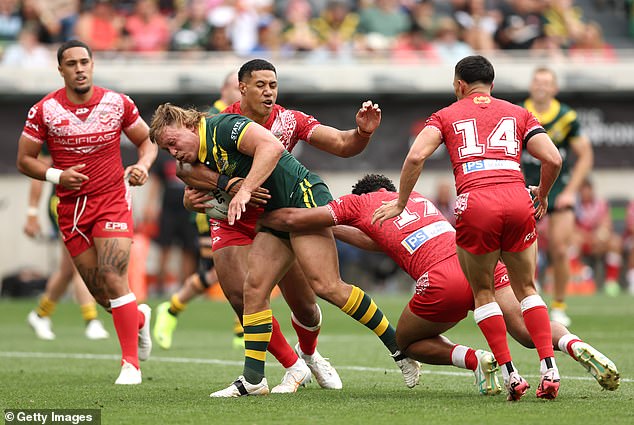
x,y
189,360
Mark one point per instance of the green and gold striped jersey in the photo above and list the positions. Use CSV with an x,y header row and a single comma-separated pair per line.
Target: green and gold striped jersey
x,y
220,137
562,125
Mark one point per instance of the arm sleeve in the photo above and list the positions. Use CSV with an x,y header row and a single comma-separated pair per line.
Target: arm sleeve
x,y
344,210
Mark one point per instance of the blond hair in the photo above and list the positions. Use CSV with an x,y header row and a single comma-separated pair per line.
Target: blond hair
x,y
168,114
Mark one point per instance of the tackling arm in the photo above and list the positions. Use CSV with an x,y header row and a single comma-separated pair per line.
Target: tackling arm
x,y
355,237
297,219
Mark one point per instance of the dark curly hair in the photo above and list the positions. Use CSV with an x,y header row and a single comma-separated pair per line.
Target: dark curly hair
x,y
372,183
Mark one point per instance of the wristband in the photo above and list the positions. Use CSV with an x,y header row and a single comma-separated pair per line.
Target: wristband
x,y
222,182
53,175
32,211
238,179
364,134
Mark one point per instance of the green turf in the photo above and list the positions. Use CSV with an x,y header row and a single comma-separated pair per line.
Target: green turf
x,y
52,374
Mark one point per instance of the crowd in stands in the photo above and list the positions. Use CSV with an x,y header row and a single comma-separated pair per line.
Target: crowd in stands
x,y
399,30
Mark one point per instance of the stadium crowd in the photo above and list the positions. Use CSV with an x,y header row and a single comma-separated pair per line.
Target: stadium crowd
x,y
401,30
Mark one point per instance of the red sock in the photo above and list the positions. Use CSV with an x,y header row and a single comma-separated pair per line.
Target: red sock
x,y
141,319
569,347
470,359
126,319
538,325
494,330
279,347
307,336
612,267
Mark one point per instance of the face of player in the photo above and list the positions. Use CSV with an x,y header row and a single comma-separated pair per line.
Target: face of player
x,y
182,143
76,69
259,94
543,87
231,90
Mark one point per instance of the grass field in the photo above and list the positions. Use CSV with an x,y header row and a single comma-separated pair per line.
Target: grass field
x,y
72,372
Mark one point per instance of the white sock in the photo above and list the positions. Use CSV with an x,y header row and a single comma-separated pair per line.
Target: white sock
x,y
458,354
564,340
505,372
543,365
630,280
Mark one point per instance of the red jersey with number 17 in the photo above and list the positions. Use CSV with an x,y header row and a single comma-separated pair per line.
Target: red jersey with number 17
x,y
484,137
89,133
416,240
289,126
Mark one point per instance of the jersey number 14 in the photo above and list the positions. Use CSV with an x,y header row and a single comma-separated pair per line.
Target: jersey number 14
x,y
503,137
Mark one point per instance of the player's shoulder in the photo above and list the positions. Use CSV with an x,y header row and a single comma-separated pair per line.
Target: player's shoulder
x,y
234,108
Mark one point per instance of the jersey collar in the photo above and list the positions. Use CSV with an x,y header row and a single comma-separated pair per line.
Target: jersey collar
x,y
547,116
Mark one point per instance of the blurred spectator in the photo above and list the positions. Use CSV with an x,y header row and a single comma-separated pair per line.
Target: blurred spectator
x,y
381,23
298,34
101,27
447,42
10,22
56,18
413,47
336,26
146,30
591,46
192,31
562,22
164,205
27,52
220,41
269,38
478,25
445,200
423,12
595,239
240,18
521,26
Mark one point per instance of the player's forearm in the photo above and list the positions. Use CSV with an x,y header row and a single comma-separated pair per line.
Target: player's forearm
x,y
32,167
410,172
355,237
198,176
147,152
35,193
355,142
581,169
265,159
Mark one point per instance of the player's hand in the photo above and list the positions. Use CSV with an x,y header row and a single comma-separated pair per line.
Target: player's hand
x,y
32,227
238,205
259,197
542,201
386,211
136,174
194,199
71,178
368,117
565,200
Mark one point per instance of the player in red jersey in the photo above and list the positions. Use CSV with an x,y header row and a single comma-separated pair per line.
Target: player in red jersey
x,y
422,242
495,217
258,88
81,125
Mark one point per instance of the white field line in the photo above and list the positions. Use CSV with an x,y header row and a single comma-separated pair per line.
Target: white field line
x,y
189,360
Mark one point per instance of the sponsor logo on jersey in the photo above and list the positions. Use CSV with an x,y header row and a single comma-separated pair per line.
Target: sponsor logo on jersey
x,y
35,127
116,226
531,235
489,164
478,100
237,128
61,122
82,111
86,139
416,239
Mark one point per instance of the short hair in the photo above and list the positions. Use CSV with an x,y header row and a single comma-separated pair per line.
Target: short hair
x,y
168,114
372,183
69,45
254,65
545,69
475,68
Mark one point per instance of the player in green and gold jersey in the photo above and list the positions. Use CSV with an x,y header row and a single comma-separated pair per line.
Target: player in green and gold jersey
x,y
562,124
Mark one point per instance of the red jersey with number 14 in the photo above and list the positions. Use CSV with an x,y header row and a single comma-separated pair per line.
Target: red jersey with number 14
x,y
416,240
89,133
484,137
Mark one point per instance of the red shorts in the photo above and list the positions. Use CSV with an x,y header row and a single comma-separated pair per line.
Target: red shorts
x,y
240,234
443,294
497,217
107,215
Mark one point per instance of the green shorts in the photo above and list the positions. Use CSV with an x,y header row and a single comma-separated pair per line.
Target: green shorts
x,y
311,192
